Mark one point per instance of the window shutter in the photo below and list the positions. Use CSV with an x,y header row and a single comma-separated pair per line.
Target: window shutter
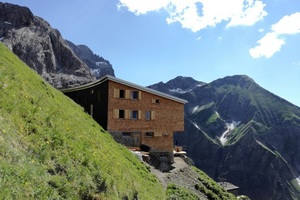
x,y
139,114
127,94
157,134
153,115
116,93
140,95
153,100
115,113
127,114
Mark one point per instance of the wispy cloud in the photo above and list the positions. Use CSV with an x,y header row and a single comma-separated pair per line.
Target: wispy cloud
x,y
297,63
273,40
200,14
140,7
261,30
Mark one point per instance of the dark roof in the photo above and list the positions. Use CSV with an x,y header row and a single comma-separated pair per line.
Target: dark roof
x,y
111,78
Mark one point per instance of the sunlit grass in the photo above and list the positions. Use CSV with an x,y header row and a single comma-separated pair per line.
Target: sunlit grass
x,y
51,149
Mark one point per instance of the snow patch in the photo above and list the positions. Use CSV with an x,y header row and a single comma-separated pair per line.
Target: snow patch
x,y
230,127
6,22
1,38
96,72
194,109
298,180
196,125
179,90
101,63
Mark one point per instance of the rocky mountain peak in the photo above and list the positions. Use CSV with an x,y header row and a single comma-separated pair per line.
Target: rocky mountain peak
x,y
236,80
14,16
99,66
180,84
183,82
43,49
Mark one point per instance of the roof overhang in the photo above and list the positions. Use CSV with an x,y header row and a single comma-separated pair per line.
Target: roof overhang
x,y
117,80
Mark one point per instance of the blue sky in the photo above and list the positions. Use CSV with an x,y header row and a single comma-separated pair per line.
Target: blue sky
x,y
148,41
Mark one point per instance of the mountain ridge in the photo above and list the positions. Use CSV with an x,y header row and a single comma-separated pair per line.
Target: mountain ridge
x,y
99,66
237,130
43,48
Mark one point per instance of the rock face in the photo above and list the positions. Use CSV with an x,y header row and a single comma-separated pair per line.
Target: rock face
x,y
43,49
99,66
237,131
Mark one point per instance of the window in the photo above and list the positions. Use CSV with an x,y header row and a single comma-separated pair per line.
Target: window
x,y
122,94
134,95
134,114
148,115
119,93
155,101
149,134
122,114
92,91
126,134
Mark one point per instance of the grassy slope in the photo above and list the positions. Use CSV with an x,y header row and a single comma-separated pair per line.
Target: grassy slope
x,y
49,148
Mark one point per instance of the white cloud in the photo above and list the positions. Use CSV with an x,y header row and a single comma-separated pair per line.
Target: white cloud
x,y
273,41
199,14
142,6
249,14
268,45
288,25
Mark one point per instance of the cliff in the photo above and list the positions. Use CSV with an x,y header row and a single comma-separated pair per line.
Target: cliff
x,y
43,48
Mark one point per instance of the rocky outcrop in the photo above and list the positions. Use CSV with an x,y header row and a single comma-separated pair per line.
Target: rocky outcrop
x,y
99,66
43,49
259,152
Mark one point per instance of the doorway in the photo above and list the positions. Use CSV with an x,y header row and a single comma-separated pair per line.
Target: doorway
x,y
136,139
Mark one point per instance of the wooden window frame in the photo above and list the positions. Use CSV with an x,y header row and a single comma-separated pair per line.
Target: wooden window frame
x,y
134,114
121,114
149,134
122,94
148,115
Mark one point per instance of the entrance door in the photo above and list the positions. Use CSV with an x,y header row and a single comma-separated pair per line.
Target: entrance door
x,y
136,139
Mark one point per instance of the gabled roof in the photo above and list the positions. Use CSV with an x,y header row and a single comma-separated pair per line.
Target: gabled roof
x,y
117,80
